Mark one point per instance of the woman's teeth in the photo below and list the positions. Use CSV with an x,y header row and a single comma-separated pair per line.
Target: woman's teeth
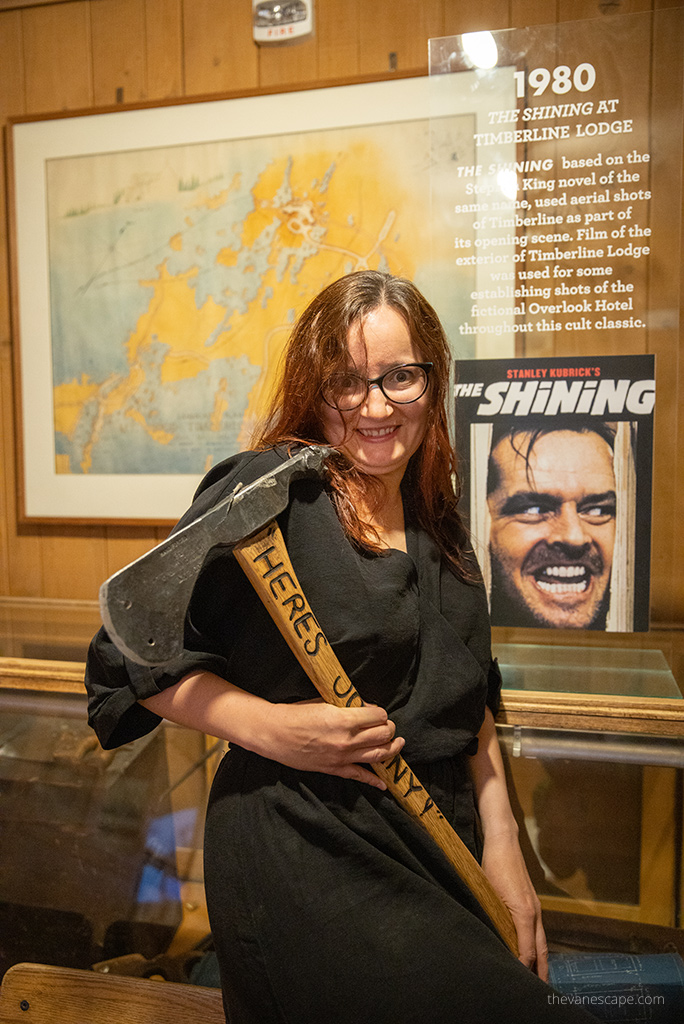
x,y
377,432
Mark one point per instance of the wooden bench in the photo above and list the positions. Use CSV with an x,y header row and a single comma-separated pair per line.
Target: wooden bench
x,y
37,994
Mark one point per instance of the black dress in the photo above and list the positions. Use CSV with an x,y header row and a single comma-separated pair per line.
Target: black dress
x,y
328,904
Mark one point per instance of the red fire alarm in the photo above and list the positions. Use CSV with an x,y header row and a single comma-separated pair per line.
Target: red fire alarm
x,y
281,21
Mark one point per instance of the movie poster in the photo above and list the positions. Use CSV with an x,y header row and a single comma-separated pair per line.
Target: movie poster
x,y
556,473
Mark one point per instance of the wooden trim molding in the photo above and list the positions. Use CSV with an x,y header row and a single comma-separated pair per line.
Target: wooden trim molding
x,y
652,716
42,676
15,5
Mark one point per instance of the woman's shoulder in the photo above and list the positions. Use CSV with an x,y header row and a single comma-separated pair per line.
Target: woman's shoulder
x,y
222,479
244,467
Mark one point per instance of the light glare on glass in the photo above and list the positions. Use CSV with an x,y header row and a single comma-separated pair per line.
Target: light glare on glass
x,y
507,180
480,48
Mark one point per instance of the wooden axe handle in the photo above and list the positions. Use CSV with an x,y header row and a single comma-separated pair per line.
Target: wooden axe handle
x,y
266,563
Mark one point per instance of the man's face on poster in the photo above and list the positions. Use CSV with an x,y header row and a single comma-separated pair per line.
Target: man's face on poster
x,y
552,511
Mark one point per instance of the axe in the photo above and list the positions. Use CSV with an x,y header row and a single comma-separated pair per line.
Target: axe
x,y
143,608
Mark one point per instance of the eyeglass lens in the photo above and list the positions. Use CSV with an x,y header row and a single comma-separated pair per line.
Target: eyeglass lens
x,y
402,384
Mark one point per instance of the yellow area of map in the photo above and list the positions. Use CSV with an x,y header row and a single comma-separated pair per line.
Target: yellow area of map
x,y
328,214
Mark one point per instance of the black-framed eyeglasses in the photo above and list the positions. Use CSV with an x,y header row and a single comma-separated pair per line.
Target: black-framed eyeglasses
x,y
401,385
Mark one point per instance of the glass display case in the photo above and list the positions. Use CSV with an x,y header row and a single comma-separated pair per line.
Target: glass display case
x,y
620,671
101,852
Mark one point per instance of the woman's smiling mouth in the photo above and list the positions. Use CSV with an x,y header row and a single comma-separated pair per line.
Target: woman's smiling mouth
x,y
376,433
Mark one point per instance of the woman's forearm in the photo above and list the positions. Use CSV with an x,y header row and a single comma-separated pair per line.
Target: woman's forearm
x,y
489,780
502,858
204,701
309,735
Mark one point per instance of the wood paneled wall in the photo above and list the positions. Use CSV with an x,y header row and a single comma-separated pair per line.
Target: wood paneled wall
x,y
94,53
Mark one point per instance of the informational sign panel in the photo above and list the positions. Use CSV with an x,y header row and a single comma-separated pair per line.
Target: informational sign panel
x,y
557,487
563,205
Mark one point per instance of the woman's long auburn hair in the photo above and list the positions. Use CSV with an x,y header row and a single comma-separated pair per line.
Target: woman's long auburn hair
x,y
318,346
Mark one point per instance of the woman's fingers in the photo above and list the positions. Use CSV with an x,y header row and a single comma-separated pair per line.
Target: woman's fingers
x,y
360,774
533,951
316,736
357,730
542,952
383,752
372,738
368,717
527,947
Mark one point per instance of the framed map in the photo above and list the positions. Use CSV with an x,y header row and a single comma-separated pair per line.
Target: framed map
x,y
162,254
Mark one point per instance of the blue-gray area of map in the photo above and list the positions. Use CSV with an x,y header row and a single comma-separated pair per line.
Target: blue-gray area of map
x,y
99,256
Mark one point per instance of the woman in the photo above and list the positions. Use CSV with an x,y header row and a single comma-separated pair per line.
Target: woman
x,y
327,902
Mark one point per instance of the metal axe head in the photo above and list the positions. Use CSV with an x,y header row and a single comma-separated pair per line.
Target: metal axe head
x,y
143,606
